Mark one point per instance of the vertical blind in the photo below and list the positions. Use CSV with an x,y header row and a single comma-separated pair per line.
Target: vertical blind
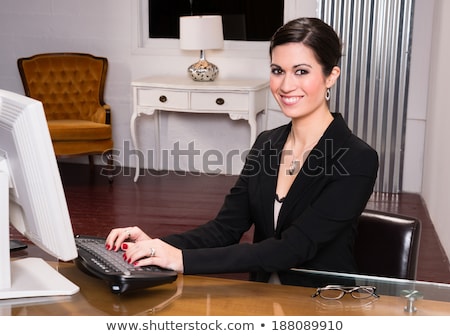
x,y
372,90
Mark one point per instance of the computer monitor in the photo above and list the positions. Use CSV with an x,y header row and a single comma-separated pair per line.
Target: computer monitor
x,y
32,199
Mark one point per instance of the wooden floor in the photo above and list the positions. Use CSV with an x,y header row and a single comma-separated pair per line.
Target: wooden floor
x,y
164,203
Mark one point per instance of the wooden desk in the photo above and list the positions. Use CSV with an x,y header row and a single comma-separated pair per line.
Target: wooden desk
x,y
201,296
240,99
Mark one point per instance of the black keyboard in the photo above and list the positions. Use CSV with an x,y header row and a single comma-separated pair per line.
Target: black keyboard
x,y
95,259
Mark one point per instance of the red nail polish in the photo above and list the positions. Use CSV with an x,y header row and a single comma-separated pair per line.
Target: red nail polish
x,y
124,246
135,263
129,260
107,246
124,256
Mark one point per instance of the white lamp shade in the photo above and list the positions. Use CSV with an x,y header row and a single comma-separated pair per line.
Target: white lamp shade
x,y
201,32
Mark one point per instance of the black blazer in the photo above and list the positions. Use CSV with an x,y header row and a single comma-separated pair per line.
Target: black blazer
x,y
317,221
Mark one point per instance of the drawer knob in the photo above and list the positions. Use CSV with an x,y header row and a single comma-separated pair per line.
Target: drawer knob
x,y
220,101
162,99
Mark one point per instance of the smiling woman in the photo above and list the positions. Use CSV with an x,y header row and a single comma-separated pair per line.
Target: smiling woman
x,y
247,20
313,224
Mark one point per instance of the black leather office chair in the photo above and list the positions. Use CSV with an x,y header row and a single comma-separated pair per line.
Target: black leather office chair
x,y
387,244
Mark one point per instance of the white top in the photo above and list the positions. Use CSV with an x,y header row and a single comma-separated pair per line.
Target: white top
x,y
274,279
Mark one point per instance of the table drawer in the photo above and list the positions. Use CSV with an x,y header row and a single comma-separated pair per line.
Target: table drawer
x,y
216,101
164,99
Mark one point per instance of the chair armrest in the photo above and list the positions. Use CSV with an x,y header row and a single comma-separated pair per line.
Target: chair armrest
x,y
108,114
103,114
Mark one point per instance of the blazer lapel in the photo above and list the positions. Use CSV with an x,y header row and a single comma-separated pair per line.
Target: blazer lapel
x,y
271,155
314,167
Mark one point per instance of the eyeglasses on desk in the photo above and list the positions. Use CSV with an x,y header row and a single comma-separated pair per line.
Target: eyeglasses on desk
x,y
335,292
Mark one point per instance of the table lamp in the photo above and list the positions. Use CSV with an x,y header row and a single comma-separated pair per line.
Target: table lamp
x,y
201,33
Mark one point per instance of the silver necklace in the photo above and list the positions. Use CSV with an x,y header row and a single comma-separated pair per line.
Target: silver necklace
x,y
292,167
295,163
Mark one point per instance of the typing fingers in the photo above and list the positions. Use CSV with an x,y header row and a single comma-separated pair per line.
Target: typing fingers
x,y
159,253
117,236
134,252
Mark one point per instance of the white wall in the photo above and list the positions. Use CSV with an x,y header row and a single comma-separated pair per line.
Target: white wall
x,y
108,28
436,181
417,100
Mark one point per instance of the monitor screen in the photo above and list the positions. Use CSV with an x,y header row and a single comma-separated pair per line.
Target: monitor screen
x,y
32,200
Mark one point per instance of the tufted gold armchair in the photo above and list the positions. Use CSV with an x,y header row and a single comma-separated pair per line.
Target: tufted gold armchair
x,y
70,87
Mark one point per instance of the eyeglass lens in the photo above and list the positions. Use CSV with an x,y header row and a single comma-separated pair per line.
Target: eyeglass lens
x,y
362,292
333,293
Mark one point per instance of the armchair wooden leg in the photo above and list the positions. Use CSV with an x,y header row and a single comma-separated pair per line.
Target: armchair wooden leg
x,y
109,171
110,166
91,163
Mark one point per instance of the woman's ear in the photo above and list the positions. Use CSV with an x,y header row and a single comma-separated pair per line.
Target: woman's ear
x,y
333,76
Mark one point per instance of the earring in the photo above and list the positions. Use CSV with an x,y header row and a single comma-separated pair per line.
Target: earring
x,y
328,94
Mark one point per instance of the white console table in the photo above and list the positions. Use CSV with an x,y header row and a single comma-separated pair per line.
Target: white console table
x,y
239,98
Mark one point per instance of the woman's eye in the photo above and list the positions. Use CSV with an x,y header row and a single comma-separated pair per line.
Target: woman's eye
x,y
276,71
302,72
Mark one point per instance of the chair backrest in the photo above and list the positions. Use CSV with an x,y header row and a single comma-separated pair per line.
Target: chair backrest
x,y
387,244
70,85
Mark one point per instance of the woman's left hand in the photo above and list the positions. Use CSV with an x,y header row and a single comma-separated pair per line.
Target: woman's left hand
x,y
153,252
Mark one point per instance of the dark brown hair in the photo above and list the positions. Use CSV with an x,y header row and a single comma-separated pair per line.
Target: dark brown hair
x,y
315,34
